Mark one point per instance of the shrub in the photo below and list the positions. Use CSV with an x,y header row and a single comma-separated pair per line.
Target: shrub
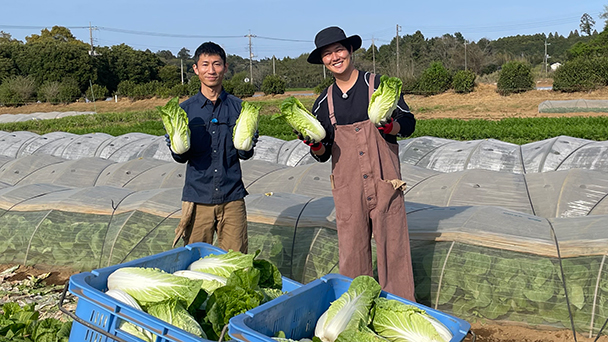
x,y
464,81
324,84
49,92
194,86
273,84
581,74
434,80
410,84
515,77
126,88
180,90
69,90
170,75
17,90
146,90
99,93
243,89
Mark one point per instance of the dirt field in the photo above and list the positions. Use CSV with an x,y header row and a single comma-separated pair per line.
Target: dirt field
x,y
484,103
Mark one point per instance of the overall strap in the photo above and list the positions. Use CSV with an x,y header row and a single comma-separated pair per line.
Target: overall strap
x,y
330,105
372,78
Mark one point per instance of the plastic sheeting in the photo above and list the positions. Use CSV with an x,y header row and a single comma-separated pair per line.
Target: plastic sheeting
x,y
573,106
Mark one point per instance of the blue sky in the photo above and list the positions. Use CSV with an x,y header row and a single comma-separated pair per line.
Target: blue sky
x,y
287,28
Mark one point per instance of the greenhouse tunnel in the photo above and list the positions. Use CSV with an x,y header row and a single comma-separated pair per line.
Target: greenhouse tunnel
x,y
499,231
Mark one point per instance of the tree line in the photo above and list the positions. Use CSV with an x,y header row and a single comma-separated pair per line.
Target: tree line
x,y
54,66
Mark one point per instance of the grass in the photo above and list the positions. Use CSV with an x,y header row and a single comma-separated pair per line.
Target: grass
x,y
514,130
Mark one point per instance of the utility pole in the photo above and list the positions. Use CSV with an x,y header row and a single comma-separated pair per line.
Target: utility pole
x,y
250,57
324,73
546,56
182,69
273,67
397,37
92,51
373,54
465,55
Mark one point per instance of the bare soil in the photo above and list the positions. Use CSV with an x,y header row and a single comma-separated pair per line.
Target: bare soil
x,y
483,103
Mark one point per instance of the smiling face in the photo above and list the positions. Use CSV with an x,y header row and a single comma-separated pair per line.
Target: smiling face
x,y
210,70
337,58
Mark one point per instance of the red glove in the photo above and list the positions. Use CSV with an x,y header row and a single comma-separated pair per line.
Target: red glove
x,y
315,146
387,127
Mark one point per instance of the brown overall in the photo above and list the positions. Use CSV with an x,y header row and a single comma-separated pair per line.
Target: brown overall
x,y
367,189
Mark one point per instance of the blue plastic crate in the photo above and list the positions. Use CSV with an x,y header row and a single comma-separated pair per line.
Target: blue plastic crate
x,y
296,313
104,312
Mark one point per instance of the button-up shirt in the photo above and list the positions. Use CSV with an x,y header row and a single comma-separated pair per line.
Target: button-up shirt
x,y
213,172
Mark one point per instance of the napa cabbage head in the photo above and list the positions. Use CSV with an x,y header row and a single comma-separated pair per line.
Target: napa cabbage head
x,y
300,119
384,100
223,265
400,322
175,121
172,312
347,311
149,285
246,126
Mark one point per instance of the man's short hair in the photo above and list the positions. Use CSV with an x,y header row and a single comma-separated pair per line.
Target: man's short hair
x,y
209,48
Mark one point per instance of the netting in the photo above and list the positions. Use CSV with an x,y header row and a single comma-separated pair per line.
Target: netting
x,y
499,231
573,106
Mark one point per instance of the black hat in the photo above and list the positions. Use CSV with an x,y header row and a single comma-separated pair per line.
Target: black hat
x,y
329,36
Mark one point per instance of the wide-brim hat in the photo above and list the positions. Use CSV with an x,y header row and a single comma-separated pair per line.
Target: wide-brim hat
x,y
330,36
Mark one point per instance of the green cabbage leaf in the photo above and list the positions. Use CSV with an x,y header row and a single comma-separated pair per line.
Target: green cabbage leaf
x,y
172,312
347,311
300,119
175,121
223,265
399,322
384,100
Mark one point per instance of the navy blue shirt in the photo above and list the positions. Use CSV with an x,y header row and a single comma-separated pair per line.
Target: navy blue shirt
x,y
213,173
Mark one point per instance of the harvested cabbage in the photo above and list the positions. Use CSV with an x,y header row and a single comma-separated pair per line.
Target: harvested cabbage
x,y
384,100
400,322
300,119
246,125
149,285
222,264
126,326
175,121
347,311
172,312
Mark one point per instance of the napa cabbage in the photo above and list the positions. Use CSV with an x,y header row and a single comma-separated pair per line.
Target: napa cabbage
x,y
222,264
175,121
246,125
347,311
126,326
400,322
149,285
210,281
172,312
300,119
384,100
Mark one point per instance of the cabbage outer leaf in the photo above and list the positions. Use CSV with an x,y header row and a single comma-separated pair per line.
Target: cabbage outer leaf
x,y
347,311
222,264
399,322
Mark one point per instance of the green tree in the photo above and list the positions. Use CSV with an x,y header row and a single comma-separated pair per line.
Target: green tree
x,y
183,54
273,84
170,75
604,15
123,63
587,24
166,55
515,77
49,60
56,34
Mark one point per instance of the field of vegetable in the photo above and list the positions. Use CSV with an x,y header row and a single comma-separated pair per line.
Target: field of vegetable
x,y
486,115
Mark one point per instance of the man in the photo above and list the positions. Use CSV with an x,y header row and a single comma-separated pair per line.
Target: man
x,y
213,194
366,177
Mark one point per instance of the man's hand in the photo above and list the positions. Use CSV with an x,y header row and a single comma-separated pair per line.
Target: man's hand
x,y
314,146
168,140
256,135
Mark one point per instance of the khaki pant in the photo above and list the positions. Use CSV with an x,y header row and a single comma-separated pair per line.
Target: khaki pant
x,y
228,220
